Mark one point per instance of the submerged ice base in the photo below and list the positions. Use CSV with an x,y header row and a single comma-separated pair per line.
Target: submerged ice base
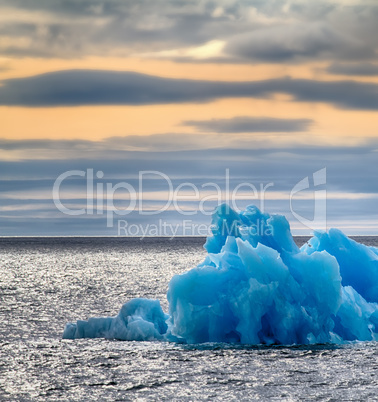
x,y
257,287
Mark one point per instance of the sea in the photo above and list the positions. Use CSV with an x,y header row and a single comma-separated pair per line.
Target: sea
x,y
46,282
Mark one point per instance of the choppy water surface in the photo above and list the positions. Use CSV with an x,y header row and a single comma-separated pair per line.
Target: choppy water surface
x,y
46,282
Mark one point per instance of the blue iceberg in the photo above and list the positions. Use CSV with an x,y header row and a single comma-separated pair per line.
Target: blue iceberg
x,y
257,287
138,320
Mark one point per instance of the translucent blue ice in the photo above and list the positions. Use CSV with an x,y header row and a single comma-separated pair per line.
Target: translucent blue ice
x,y
138,320
257,287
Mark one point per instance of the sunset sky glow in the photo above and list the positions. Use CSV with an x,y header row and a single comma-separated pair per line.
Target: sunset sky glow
x,y
273,91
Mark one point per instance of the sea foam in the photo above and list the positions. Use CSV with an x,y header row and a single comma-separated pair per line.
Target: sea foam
x,y
256,286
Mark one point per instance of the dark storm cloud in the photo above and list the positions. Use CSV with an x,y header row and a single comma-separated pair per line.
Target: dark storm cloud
x,y
242,124
366,69
90,87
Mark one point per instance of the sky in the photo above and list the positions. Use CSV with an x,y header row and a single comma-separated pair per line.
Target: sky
x,y
173,106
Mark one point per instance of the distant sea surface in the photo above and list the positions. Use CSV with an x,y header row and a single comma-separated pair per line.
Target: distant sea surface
x,y
46,282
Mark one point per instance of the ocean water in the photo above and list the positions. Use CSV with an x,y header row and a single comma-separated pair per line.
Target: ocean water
x,y
46,282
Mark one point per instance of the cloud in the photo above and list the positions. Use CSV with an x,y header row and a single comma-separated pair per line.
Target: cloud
x,y
92,87
251,125
181,145
298,41
115,27
35,144
362,69
311,31
347,165
27,207
279,31
25,186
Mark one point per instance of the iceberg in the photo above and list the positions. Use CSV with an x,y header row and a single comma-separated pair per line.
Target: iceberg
x,y
256,286
138,320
